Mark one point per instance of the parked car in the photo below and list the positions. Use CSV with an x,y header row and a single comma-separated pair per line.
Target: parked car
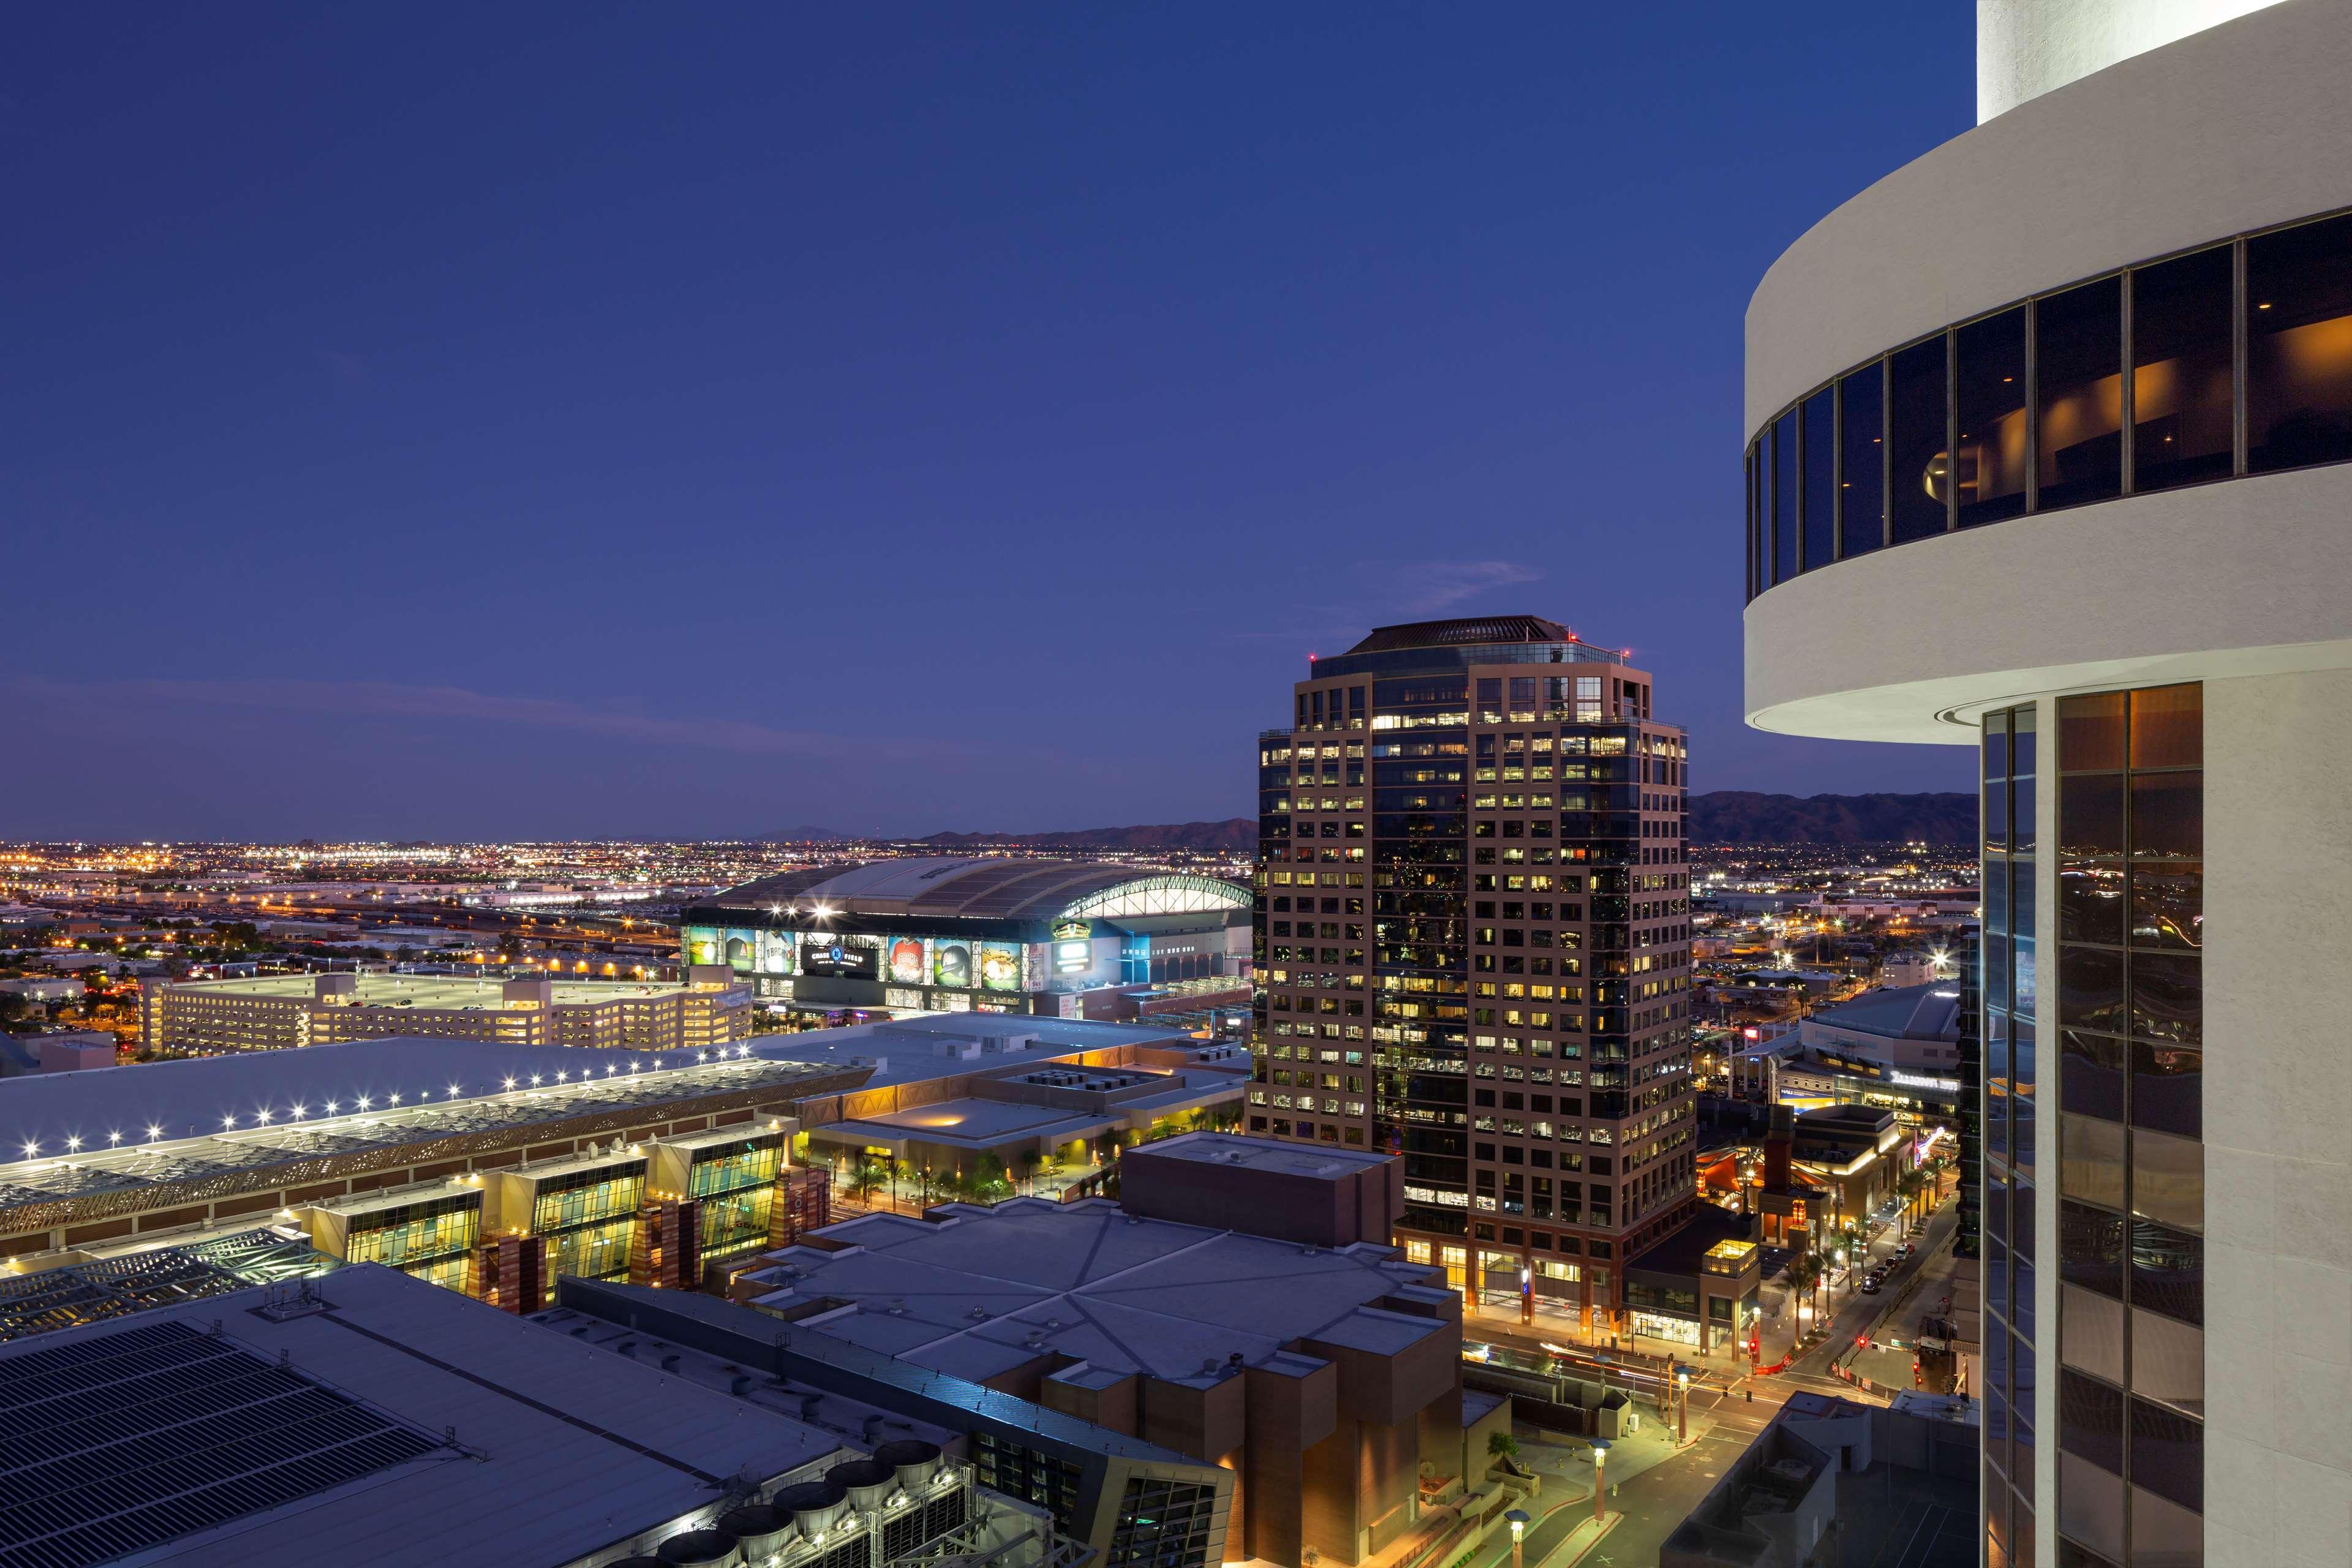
x,y
1870,1286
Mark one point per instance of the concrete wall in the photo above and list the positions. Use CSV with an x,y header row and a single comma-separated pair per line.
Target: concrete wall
x,y
1352,1205
2278,1100
2240,578
2028,47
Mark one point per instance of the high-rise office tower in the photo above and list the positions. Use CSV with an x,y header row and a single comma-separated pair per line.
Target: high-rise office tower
x,y
2048,435
1473,946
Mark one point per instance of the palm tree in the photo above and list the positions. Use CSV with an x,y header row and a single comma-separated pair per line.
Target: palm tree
x,y
1912,1184
1805,1279
865,1178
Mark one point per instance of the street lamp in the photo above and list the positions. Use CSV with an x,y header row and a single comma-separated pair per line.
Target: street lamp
x,y
1682,1391
1600,1457
1519,1519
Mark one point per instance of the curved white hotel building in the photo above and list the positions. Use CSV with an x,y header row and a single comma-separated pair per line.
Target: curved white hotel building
x,y
2050,455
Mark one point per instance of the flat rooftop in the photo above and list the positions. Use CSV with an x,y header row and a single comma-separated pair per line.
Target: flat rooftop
x,y
917,1050
1900,1012
443,993
984,1289
1266,1154
402,1425
113,1127
972,1123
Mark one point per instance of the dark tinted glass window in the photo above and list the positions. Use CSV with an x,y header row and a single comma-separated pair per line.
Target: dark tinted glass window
x,y
2168,906
2091,1073
2168,997
2091,1248
1820,477
2090,902
2167,1270
2168,1455
1784,498
2091,1419
2091,815
1861,464
1991,456
2090,732
2167,727
2182,411
2072,1556
2299,346
2167,1087
2078,353
1919,466
2091,989
1757,540
2168,814
2020,1109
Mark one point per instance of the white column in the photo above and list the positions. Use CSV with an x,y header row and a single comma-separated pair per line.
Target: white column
x,y
2278,1119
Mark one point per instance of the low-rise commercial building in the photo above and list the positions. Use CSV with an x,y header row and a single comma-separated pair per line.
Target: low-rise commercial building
x,y
1323,1379
708,1009
1897,1048
1854,1153
1831,1480
1115,1498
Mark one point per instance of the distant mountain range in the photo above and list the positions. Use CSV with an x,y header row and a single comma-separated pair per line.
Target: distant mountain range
x,y
1721,816
1237,833
1744,816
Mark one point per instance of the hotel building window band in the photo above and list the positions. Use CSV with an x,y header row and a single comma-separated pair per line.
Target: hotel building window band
x,y
2239,361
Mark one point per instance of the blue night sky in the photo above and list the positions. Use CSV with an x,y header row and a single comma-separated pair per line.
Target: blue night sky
x,y
551,421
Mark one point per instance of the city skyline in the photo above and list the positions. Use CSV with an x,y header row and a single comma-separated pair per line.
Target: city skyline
x,y
700,430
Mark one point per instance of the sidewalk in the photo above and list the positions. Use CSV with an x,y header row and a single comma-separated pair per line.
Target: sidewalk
x,y
1566,1462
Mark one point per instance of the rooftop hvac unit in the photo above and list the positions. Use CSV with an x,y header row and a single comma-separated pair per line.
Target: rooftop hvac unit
x,y
758,1529
915,1460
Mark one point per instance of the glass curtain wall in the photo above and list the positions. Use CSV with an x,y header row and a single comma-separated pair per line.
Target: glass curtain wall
x,y
2131,1210
2007,959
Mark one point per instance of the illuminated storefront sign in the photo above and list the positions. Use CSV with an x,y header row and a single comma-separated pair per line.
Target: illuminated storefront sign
x,y
1073,952
1913,1080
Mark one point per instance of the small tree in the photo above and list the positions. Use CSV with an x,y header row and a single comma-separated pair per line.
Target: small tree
x,y
1504,1450
988,1183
